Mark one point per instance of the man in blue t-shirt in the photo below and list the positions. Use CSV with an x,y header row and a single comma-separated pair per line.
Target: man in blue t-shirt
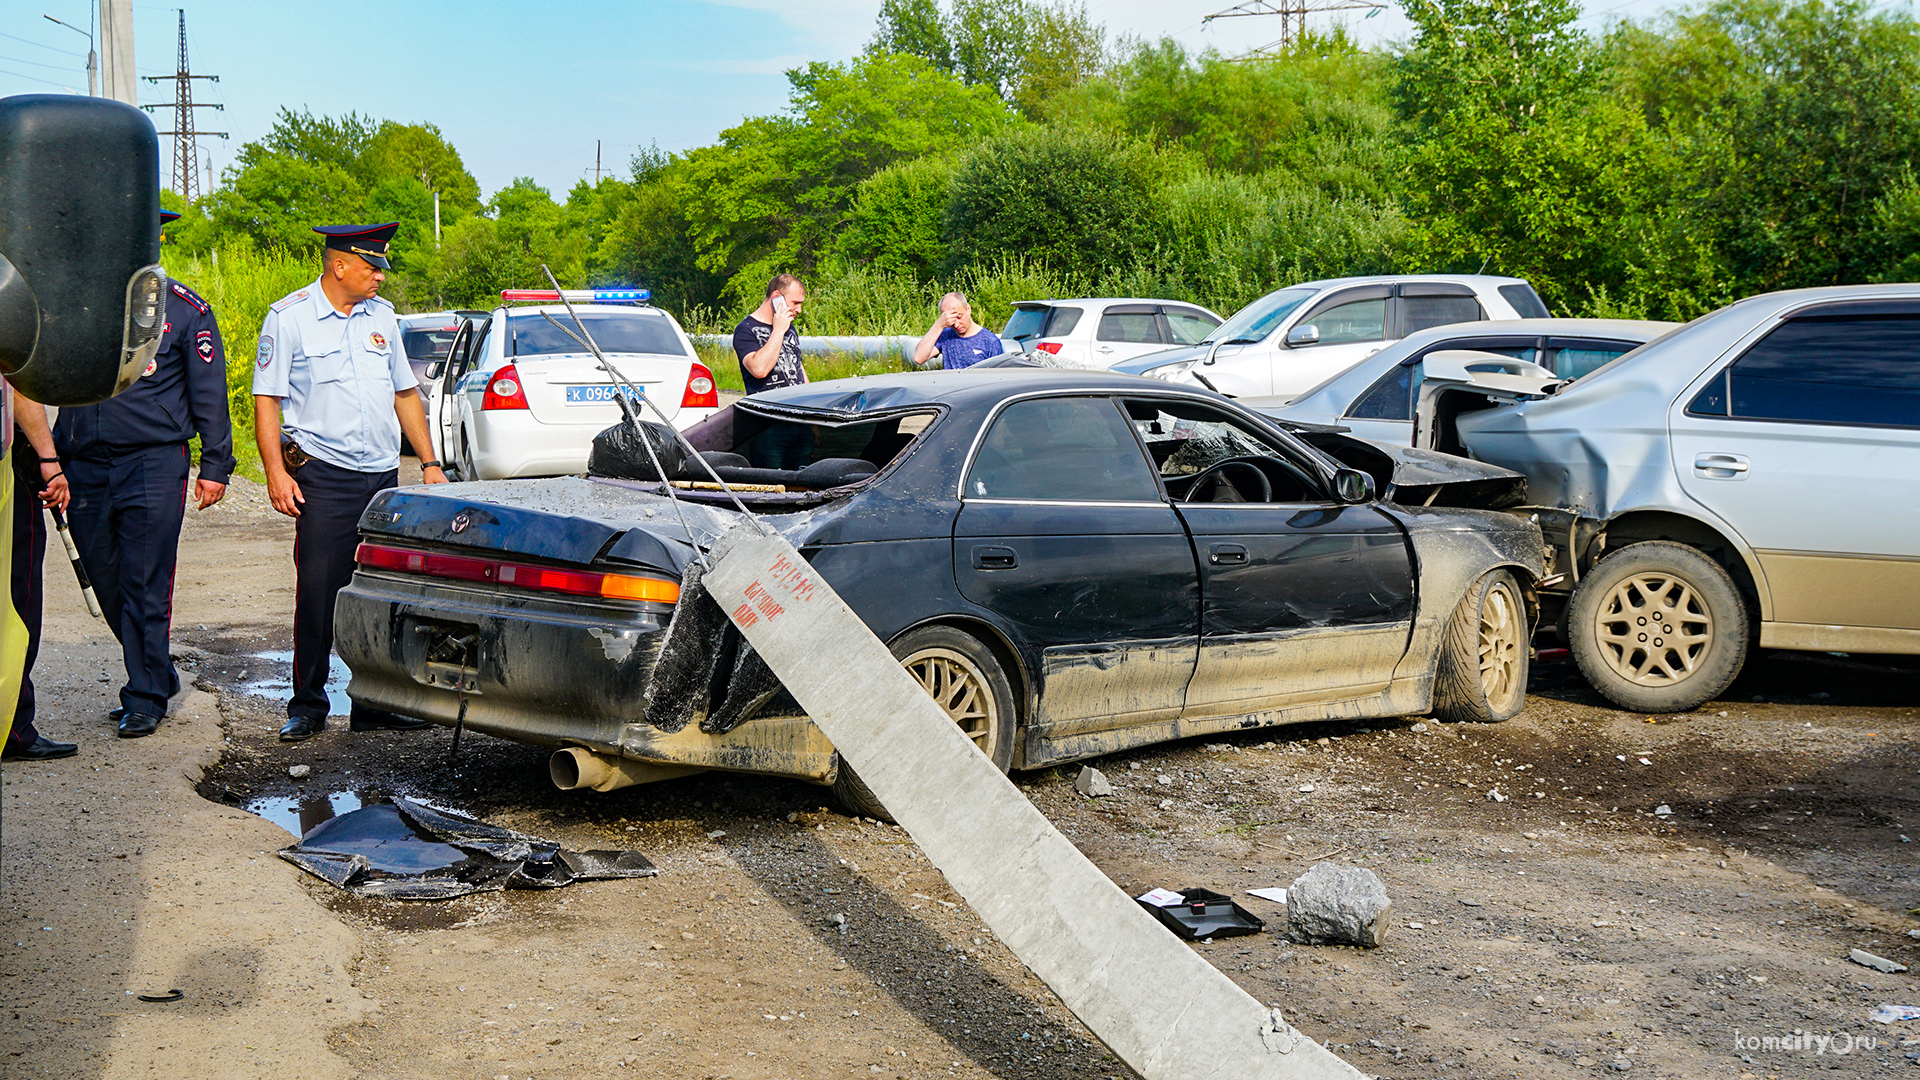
x,y
955,338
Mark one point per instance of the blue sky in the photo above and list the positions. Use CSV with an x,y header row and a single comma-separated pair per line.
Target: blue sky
x,y
524,89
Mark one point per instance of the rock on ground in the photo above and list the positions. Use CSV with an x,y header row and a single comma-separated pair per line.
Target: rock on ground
x,y
1338,905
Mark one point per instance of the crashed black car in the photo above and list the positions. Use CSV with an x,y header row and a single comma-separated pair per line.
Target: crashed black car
x,y
1071,562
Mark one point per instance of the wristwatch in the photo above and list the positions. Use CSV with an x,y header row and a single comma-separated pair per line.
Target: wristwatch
x,y
425,465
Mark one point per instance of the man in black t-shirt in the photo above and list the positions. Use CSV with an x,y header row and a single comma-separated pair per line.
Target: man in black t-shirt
x,y
769,350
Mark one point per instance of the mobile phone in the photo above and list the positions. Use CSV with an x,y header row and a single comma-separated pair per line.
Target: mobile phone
x,y
779,304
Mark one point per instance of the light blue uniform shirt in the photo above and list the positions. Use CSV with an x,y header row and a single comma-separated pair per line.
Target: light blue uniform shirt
x,y
336,376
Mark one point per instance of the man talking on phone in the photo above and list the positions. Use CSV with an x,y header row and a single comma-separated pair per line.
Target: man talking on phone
x,y
769,351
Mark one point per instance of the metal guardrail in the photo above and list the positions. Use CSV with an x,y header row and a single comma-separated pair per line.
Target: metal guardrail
x,y
826,344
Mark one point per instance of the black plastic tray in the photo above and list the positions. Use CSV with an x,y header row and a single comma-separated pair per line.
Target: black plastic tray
x,y
1206,914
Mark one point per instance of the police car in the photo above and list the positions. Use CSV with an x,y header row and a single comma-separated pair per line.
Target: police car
x,y
519,395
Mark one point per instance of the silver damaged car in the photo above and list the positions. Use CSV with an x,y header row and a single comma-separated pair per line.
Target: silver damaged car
x,y
1752,478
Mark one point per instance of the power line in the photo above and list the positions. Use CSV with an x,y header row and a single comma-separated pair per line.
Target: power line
x,y
1293,19
44,45
36,63
35,78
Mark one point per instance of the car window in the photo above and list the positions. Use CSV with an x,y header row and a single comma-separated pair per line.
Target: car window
x,y
1189,326
1862,369
1129,325
1391,396
1420,312
1061,449
1526,303
475,356
1258,319
1575,361
1361,320
1186,439
1025,323
613,331
1060,322
427,343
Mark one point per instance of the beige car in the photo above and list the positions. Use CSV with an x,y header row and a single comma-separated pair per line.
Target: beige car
x,y
1753,477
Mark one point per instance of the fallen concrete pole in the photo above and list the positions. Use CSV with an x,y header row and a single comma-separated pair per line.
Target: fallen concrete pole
x,y
1158,1005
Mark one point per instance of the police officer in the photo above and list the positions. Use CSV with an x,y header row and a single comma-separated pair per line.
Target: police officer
x,y
332,391
126,462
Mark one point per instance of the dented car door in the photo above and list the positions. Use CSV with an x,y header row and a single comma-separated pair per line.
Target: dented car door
x,y
1303,598
1064,532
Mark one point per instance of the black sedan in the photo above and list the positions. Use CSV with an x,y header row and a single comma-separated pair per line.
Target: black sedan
x,y
1071,562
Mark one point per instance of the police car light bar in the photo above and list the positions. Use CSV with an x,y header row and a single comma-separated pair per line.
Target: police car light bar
x,y
578,296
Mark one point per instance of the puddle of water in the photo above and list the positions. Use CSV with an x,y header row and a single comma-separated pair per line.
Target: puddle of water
x,y
298,814
279,682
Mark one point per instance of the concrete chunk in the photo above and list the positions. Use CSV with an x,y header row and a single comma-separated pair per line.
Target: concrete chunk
x,y
1092,783
1877,963
1338,905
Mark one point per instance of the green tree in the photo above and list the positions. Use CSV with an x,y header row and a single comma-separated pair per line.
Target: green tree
x,y
320,140
418,151
989,42
916,27
1063,50
1510,58
1067,200
895,220
275,199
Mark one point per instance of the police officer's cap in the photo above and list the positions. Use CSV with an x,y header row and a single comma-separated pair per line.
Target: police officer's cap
x,y
367,241
168,217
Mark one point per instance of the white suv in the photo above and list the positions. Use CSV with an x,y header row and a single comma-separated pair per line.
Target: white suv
x,y
1291,340
1100,332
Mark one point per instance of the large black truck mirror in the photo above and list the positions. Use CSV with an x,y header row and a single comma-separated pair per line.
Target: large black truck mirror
x,y
82,299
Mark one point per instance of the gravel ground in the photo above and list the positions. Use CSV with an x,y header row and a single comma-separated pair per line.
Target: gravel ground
x,y
1563,929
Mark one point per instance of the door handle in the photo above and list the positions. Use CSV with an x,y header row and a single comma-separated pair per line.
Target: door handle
x,y
1716,466
994,558
1106,348
1226,554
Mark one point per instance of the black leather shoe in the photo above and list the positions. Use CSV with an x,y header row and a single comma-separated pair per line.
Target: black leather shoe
x,y
135,725
381,720
40,749
302,728
114,714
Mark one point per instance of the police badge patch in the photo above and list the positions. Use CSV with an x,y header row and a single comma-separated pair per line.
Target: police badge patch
x,y
203,344
265,355
152,366
378,341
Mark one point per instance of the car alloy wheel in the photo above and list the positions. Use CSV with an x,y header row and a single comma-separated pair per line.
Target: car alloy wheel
x,y
1658,627
1481,673
958,686
1653,629
966,679
1502,647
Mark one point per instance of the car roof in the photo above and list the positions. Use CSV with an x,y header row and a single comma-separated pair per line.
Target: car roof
x,y
1107,300
964,388
1460,279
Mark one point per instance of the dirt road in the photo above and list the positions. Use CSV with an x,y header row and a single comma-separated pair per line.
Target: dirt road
x,y
1562,929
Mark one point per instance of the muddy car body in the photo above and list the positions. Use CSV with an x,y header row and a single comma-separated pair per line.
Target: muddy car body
x,y
1749,478
1079,562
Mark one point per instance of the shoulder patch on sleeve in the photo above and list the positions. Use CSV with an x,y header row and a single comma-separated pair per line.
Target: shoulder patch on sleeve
x,y
203,344
265,354
189,296
286,302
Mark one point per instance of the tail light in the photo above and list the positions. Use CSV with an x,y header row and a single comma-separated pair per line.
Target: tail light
x,y
1048,347
701,392
543,578
504,391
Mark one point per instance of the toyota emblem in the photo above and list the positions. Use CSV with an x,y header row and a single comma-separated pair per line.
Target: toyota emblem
x,y
460,521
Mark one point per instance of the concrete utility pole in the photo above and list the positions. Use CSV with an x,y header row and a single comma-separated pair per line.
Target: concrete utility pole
x,y
1293,19
117,78
186,158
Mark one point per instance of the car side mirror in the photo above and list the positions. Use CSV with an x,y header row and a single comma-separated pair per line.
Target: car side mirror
x,y
82,297
1353,486
435,369
1303,335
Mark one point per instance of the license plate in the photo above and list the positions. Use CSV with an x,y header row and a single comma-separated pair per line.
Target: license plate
x,y
600,395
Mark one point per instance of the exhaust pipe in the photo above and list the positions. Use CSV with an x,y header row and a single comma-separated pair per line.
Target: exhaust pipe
x,y
577,767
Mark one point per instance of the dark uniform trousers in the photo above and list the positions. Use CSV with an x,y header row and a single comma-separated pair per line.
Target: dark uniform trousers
x,y
324,538
29,547
125,516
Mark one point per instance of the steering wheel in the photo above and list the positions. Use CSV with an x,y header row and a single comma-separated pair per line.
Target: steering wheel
x,y
1217,474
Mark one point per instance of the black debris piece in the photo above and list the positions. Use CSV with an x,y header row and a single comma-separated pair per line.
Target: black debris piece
x,y
404,850
621,452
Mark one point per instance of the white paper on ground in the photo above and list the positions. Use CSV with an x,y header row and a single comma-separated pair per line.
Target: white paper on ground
x,y
1161,897
1278,896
